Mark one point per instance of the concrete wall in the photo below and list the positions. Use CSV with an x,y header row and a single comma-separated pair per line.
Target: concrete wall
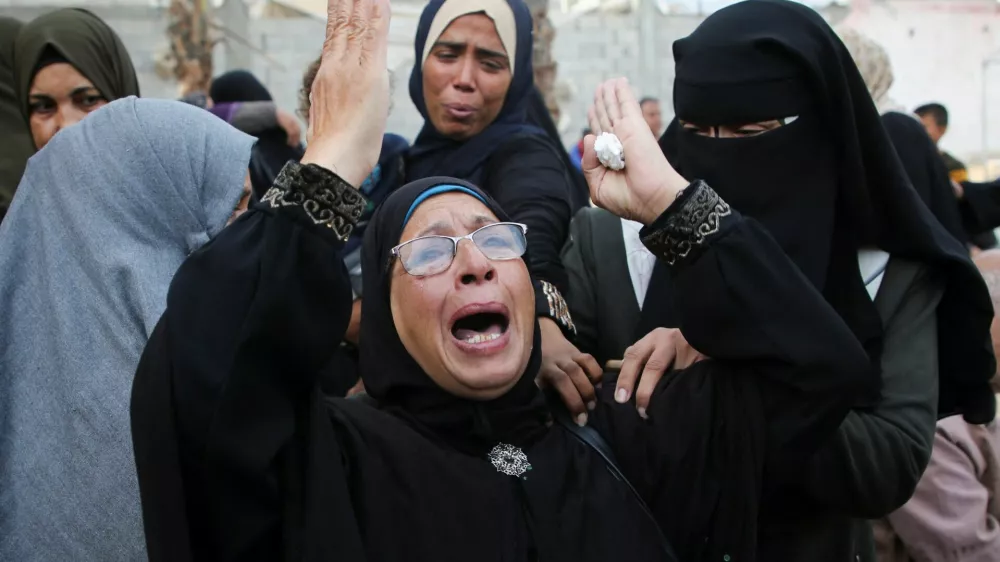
x,y
937,47
937,50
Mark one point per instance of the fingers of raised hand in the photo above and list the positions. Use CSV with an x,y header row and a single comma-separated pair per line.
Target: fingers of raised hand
x,y
604,124
627,106
612,105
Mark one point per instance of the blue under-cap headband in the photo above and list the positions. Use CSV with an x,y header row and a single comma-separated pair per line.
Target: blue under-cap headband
x,y
438,190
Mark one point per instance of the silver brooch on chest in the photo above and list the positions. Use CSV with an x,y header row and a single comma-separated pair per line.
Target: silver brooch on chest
x,y
509,460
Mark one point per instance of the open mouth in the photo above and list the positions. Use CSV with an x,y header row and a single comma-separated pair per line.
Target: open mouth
x,y
480,327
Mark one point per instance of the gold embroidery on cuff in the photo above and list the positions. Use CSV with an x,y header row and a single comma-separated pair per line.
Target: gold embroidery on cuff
x,y
558,310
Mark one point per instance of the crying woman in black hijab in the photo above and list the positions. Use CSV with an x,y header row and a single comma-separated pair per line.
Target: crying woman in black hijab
x,y
774,115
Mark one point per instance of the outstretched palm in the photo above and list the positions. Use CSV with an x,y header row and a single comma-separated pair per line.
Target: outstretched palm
x,y
648,184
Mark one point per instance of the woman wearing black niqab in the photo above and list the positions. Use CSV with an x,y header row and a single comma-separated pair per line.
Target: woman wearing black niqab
x,y
773,114
240,457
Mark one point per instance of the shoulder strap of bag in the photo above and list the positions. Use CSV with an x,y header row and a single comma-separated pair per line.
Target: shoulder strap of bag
x,y
590,437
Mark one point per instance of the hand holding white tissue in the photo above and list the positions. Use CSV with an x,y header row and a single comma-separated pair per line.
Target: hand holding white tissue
x,y
610,151
643,190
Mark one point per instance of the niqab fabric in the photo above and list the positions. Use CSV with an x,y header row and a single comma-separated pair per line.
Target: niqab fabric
x,y
826,184
104,216
271,152
433,154
84,40
15,138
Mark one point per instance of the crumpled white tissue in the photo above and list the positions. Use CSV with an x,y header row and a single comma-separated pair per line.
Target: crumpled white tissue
x,y
610,151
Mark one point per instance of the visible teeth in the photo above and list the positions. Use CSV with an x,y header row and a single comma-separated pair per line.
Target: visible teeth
x,y
481,338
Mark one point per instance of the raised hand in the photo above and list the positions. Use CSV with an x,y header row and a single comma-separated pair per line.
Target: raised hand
x,y
350,95
648,184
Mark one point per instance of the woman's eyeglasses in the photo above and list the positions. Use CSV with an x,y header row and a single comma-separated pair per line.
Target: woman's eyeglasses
x,y
429,255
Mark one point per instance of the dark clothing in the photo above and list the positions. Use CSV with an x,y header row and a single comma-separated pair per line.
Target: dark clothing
x,y
15,137
515,161
981,206
540,116
84,40
600,295
955,167
271,152
858,196
240,458
926,172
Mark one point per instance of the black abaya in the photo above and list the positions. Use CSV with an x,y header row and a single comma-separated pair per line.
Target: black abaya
x,y
240,458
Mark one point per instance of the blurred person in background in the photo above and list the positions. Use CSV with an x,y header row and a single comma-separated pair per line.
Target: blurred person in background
x,y
274,148
67,64
252,117
15,137
576,153
916,150
954,514
976,209
653,115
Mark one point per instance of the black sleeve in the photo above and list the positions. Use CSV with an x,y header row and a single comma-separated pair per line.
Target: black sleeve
x,y
578,259
783,372
529,181
251,319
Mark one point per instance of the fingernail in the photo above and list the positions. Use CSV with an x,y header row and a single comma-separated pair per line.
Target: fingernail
x,y
621,396
599,385
581,420
642,413
591,405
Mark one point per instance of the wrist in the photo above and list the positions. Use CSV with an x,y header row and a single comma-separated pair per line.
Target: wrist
x,y
664,196
335,155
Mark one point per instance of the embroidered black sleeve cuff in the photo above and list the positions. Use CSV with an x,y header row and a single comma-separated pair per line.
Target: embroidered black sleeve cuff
x,y
681,232
549,303
319,195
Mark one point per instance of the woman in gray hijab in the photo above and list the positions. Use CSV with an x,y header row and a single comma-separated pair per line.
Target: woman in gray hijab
x,y
104,215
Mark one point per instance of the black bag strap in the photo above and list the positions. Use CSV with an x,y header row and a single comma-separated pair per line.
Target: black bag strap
x,y
590,437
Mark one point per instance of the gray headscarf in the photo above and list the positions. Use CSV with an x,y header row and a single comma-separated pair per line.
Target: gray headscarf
x,y
103,217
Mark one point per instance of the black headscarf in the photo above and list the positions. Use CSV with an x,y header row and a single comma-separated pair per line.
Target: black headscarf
x,y
827,183
15,138
395,379
271,152
433,154
86,42
540,116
